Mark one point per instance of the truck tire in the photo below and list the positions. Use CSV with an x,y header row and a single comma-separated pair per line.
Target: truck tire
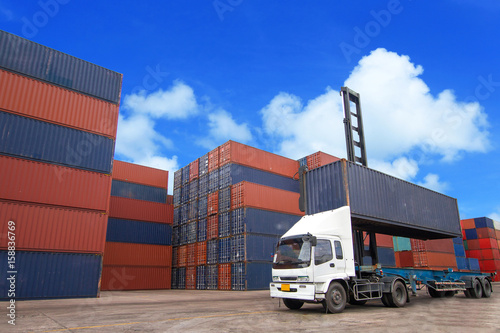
x,y
398,296
336,298
486,288
352,301
292,304
385,300
434,293
449,294
467,293
476,291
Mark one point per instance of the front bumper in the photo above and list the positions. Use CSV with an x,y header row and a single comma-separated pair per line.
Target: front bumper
x,y
302,291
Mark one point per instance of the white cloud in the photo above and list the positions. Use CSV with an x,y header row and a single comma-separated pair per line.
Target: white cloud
x,y
495,216
431,181
402,167
179,102
222,127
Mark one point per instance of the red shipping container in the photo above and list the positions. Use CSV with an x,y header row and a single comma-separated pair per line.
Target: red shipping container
x,y
52,228
129,254
464,236
417,245
141,210
441,260
384,241
420,259
474,254
398,259
224,277
194,168
489,254
25,180
201,253
247,194
135,278
440,245
191,255
212,227
489,265
36,99
182,256
488,243
213,203
473,244
234,152
213,160
191,278
406,259
138,174
468,224
319,159
486,233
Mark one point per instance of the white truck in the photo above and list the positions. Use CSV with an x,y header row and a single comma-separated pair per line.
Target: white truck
x,y
315,263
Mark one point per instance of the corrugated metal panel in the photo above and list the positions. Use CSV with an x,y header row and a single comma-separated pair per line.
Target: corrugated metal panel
x,y
137,191
213,159
135,278
127,231
129,254
41,141
319,159
251,276
44,101
246,194
231,174
29,58
26,180
224,277
194,170
249,247
130,209
234,152
382,203
134,173
259,221
53,275
201,282
190,278
53,229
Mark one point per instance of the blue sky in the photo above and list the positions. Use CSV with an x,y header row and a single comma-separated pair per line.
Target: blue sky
x,y
198,73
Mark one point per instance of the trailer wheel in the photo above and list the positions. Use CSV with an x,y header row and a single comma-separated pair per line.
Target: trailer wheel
x,y
352,301
398,296
449,294
487,288
467,293
434,293
336,298
292,304
476,291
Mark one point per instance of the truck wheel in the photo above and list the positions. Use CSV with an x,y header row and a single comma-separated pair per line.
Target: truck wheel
x,y
352,301
385,300
434,293
292,304
467,293
476,291
487,288
336,298
398,296
449,294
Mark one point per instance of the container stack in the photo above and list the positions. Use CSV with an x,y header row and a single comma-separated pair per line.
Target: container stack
x,y
138,252
402,251
317,159
231,207
58,120
481,241
385,251
434,254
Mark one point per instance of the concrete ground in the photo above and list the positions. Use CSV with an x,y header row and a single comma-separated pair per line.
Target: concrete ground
x,y
254,311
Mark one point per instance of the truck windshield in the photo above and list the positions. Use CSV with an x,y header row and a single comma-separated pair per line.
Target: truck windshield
x,y
293,253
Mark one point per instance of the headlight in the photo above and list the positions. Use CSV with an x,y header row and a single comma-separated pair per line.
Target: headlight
x,y
303,279
276,278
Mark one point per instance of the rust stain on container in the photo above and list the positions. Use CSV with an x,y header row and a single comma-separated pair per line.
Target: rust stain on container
x,y
25,180
140,210
40,100
135,278
134,173
123,254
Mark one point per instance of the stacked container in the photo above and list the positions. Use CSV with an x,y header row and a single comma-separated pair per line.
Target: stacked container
x,y
231,207
385,251
434,254
317,159
481,240
138,252
58,120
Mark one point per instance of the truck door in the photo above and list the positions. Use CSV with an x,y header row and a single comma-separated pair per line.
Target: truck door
x,y
326,262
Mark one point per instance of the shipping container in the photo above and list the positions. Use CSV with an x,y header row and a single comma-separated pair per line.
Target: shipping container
x,y
174,278
52,275
252,195
224,277
202,230
462,263
260,221
130,254
459,250
181,278
182,256
213,203
201,277
178,178
194,169
185,194
203,166
138,174
319,159
473,264
234,152
224,224
440,245
130,209
191,255
43,101
251,276
212,227
135,278
201,253
386,257
192,210
470,233
193,190
468,224
213,181
52,228
140,232
203,186
224,200
42,141
212,251
137,191
31,59
211,277
213,160
25,180
484,222
380,202
225,250
401,244
486,233
249,247
192,232
185,175
406,258
177,197
191,278
184,213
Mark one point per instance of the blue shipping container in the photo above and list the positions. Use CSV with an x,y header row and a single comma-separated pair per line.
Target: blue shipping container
x,y
251,276
177,179
192,232
29,58
175,277
202,207
386,257
459,250
203,186
52,275
471,233
202,230
136,191
458,240
212,251
212,273
249,247
201,283
224,224
203,165
473,264
128,231
185,175
258,221
484,222
225,200
224,250
462,263
213,181
175,237
41,141
181,278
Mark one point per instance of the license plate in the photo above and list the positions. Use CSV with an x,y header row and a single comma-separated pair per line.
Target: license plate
x,y
285,287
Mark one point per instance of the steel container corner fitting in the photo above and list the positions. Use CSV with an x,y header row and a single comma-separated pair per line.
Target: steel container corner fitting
x,y
380,202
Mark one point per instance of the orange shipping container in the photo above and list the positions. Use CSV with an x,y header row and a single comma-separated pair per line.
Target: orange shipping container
x,y
212,227
182,256
52,228
134,173
140,210
440,245
25,180
213,159
129,254
224,277
135,278
201,253
382,240
247,194
234,152
442,260
473,244
194,169
486,233
191,278
468,224
213,203
191,255
40,100
319,159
